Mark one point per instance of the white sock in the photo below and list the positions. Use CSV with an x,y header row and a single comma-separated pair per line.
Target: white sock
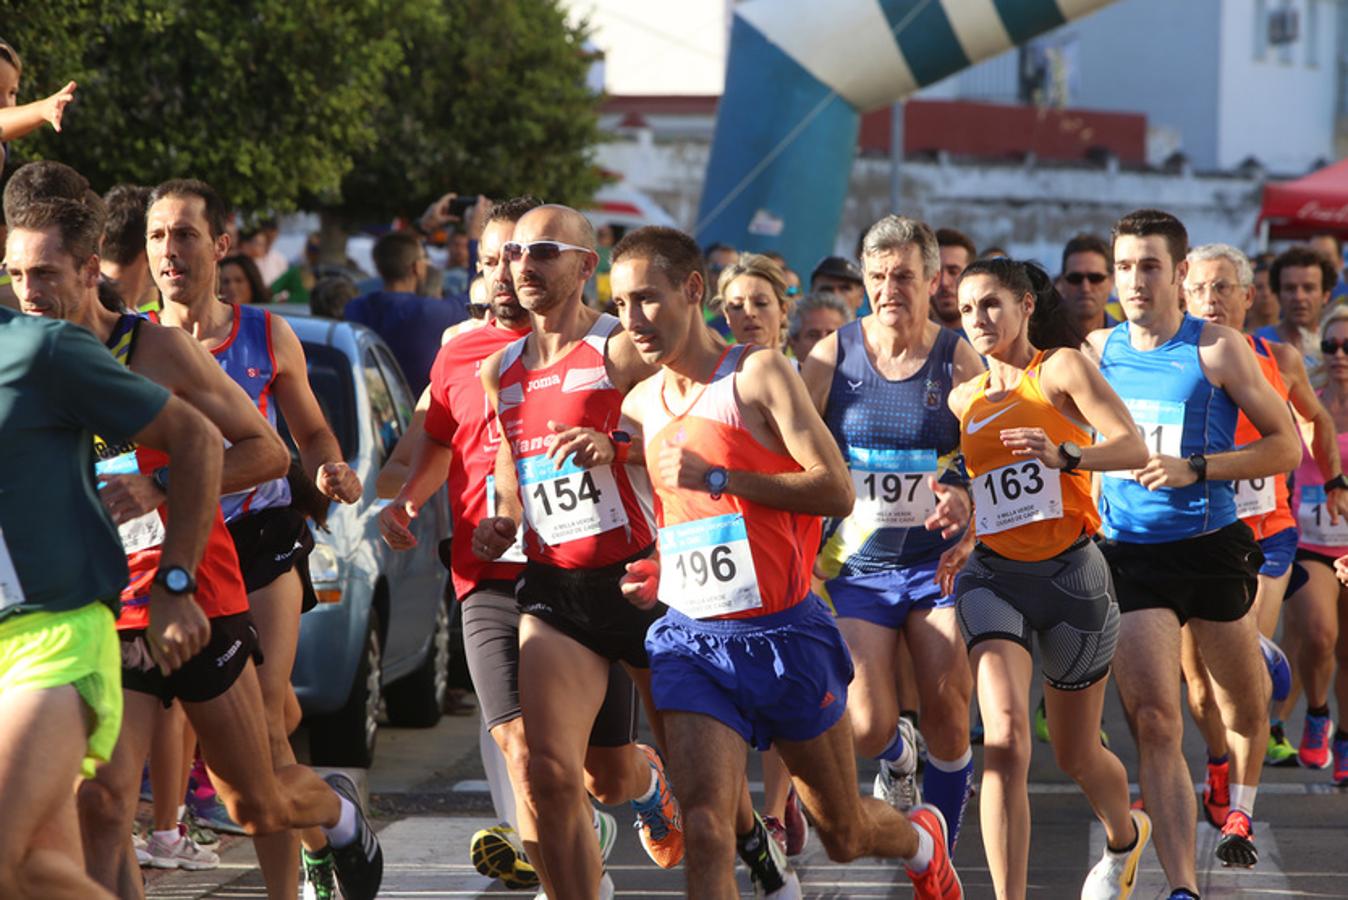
x,y
182,813
952,765
655,784
169,837
1242,798
907,761
344,832
498,778
926,848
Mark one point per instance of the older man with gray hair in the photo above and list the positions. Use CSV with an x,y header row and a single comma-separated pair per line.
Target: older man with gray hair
x,y
813,319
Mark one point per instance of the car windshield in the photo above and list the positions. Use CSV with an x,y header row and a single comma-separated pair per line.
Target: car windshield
x,y
330,377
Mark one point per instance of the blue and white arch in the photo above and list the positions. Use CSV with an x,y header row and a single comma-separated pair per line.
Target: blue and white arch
x,y
798,77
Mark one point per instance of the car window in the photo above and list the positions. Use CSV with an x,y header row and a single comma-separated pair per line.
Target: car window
x,y
330,379
403,401
383,408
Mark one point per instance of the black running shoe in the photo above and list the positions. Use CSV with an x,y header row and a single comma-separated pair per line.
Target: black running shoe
x,y
360,864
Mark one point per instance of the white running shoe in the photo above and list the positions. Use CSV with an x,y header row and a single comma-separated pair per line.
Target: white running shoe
x,y
180,854
138,842
898,786
1115,875
606,829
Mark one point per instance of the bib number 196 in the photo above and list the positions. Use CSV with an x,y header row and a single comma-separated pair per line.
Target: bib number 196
x,y
706,567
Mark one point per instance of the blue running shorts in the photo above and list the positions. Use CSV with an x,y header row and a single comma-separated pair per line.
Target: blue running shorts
x,y
781,676
1279,551
886,598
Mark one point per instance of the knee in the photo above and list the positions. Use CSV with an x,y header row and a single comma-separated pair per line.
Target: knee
x,y
842,841
1006,747
550,778
1157,726
103,808
706,830
256,816
1318,644
871,733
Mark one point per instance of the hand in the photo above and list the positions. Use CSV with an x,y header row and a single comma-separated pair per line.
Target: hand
x,y
437,213
641,584
338,481
952,561
682,468
395,525
54,107
591,447
952,508
1336,504
492,537
178,629
1163,471
1341,568
127,497
1032,442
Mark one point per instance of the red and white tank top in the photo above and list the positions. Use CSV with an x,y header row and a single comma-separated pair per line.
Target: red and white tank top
x,y
574,518
728,558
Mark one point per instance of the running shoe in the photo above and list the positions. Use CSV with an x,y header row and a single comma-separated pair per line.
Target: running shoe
x,y
769,871
898,786
658,819
606,830
205,809
360,864
1341,762
919,742
497,853
1280,751
146,791
201,834
1279,669
1115,875
142,856
320,875
940,881
1041,722
1182,894
1217,794
1236,845
180,854
797,829
776,829
1314,750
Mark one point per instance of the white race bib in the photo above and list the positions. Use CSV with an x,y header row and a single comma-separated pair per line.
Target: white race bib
x,y
570,503
1161,426
143,532
706,568
516,552
1015,495
1256,497
891,486
11,592
1313,520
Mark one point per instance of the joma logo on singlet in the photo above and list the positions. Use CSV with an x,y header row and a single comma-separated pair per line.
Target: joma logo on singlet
x,y
544,382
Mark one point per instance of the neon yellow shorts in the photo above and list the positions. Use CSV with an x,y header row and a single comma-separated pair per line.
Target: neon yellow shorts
x,y
79,648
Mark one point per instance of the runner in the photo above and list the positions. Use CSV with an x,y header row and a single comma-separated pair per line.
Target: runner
x,y
1176,550
1035,574
461,438
557,394
185,241
58,647
881,385
1320,603
746,654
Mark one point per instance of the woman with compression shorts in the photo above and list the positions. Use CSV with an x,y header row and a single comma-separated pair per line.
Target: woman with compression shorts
x,y
1025,432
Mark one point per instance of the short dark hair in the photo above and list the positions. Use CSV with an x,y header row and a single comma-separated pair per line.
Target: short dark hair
x,y
670,250
261,293
79,226
1088,243
512,210
217,214
124,228
953,237
717,245
1147,222
1297,257
331,295
45,179
1051,324
396,254
1262,262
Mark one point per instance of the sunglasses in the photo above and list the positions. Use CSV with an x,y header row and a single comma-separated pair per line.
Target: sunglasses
x,y
1075,278
543,251
1331,347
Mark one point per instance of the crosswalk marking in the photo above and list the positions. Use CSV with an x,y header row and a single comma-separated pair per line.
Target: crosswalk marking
x,y
1266,789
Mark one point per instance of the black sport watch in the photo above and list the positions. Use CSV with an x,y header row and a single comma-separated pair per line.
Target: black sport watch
x,y
716,479
176,580
1199,463
1070,455
1337,483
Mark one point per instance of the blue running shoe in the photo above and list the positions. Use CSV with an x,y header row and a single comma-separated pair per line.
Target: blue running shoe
x,y
1279,670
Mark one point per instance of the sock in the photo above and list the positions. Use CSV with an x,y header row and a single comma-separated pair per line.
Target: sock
x,y
650,791
900,755
316,856
1242,798
1321,712
926,849
1218,760
498,778
946,785
344,832
1124,851
182,813
910,715
169,837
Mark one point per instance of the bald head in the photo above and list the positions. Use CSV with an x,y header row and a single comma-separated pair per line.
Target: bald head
x,y
545,282
555,222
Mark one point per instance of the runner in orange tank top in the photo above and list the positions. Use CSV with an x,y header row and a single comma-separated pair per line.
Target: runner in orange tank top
x,y
1035,573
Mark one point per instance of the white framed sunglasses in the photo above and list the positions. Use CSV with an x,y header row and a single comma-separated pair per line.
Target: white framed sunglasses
x,y
543,251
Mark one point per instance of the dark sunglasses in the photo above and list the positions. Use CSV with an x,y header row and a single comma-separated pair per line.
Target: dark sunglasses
x,y
543,251
1331,347
1075,278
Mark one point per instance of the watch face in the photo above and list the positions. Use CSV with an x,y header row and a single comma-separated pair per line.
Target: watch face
x,y
177,580
716,478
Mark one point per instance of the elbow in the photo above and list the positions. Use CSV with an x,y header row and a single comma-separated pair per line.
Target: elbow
x,y
278,457
839,497
1289,451
1136,448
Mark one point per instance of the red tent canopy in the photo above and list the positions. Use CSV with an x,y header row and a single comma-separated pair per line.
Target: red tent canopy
x,y
1316,204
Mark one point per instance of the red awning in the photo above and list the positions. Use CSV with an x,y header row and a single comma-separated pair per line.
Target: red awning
x,y
1316,204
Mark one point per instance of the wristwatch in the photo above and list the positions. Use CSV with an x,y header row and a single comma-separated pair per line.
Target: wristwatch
x,y
716,480
622,446
176,580
1070,454
1199,463
1337,483
160,477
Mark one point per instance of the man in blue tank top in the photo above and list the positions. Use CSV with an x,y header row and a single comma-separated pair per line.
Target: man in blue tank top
x,y
881,385
1177,552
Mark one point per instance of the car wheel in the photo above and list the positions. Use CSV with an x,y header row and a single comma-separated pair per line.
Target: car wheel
x,y
417,700
347,737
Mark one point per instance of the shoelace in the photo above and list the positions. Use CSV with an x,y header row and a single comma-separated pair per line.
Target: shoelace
x,y
651,815
1238,824
1318,731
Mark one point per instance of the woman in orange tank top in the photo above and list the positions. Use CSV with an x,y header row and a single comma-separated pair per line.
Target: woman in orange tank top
x,y
1025,432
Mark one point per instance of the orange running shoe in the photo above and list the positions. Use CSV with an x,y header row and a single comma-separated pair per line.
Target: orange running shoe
x,y
1217,794
940,881
658,819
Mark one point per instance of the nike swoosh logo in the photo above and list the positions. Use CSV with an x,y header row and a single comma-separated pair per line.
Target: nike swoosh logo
x,y
976,425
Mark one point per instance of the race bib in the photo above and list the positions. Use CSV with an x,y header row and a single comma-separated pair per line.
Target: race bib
x,y
1313,520
891,486
516,552
569,503
11,592
1255,497
1015,495
1161,426
143,532
706,568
